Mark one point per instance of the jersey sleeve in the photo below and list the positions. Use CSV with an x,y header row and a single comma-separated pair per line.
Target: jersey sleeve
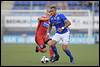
x,y
50,22
63,17
44,16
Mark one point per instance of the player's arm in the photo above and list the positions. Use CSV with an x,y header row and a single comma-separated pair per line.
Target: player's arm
x,y
43,19
49,28
67,23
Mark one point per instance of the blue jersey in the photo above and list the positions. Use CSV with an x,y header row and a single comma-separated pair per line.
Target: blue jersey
x,y
58,22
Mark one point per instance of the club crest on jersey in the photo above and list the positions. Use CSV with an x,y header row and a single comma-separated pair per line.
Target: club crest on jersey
x,y
45,24
58,18
51,18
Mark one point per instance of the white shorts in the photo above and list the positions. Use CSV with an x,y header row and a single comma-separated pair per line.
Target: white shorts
x,y
64,37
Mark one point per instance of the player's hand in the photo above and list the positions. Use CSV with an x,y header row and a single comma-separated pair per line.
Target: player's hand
x,y
60,29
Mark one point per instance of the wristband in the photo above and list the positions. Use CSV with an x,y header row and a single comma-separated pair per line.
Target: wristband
x,y
48,33
62,27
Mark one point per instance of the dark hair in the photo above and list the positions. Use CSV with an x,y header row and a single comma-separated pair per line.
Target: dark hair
x,y
53,6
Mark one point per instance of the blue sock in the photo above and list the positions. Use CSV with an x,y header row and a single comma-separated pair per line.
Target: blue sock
x,y
54,50
68,52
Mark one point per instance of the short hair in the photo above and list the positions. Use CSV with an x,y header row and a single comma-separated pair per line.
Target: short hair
x,y
53,6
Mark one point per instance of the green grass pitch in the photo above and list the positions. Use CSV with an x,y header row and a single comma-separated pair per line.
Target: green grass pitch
x,y
25,55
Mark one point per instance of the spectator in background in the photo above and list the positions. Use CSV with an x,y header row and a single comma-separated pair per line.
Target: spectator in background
x,y
62,5
50,3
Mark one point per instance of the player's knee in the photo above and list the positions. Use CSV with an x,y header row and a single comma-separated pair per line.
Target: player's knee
x,y
51,42
64,47
43,50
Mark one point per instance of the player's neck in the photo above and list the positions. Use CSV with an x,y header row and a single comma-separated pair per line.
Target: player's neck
x,y
54,15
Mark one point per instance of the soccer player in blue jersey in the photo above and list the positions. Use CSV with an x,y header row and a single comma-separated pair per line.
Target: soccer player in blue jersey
x,y
42,38
61,24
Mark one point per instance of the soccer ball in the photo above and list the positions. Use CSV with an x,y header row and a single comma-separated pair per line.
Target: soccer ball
x,y
44,60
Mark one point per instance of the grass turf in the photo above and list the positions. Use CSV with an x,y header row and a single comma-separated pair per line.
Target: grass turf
x,y
25,55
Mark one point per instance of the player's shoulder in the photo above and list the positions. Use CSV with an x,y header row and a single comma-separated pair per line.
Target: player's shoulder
x,y
51,16
60,14
44,16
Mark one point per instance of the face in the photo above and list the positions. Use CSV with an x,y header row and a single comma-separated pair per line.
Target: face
x,y
52,11
47,12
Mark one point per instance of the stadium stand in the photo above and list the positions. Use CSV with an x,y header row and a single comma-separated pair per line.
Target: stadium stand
x,y
7,5
40,5
20,5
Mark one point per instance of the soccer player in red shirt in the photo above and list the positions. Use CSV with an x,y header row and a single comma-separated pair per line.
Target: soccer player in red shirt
x,y
41,36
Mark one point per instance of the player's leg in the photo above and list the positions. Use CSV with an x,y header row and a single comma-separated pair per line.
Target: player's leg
x,y
68,52
43,49
52,44
51,53
55,55
52,49
65,38
40,44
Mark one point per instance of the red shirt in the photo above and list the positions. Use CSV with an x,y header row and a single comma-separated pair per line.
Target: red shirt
x,y
42,27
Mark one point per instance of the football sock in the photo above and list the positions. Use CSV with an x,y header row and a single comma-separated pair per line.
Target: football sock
x,y
54,50
51,52
68,52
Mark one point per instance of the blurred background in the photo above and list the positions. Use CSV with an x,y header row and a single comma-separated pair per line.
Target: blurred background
x,y
18,26
19,20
